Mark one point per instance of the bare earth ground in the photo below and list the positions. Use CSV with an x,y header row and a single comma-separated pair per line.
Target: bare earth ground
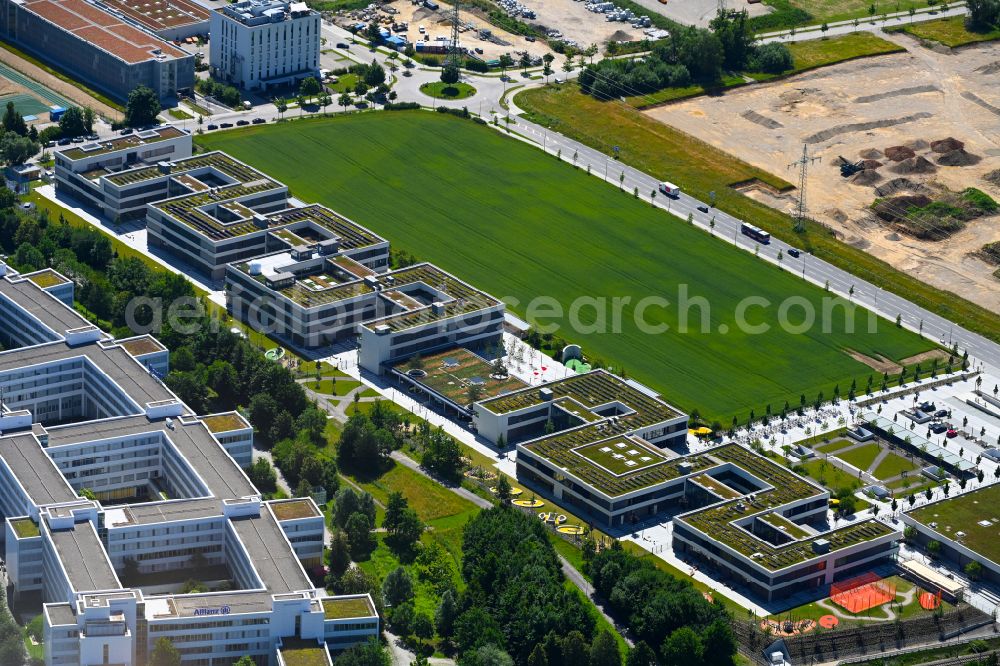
x,y
65,89
573,20
438,24
921,95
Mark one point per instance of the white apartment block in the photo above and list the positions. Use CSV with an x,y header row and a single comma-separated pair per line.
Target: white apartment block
x,y
113,494
257,44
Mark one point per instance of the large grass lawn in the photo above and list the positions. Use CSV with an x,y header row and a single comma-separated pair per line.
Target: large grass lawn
x,y
829,476
699,169
862,457
964,514
523,226
893,465
949,31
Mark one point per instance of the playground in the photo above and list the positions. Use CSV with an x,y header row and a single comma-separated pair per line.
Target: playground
x,y
31,99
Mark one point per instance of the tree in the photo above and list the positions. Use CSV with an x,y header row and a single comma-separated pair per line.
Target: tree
x,y
310,87
604,650
683,646
641,655
537,657
444,616
312,422
281,104
450,74
14,121
340,553
372,33
982,14
348,502
245,660
719,643
934,548
72,123
505,63
371,653
973,570
142,107
304,489
344,100
16,149
397,587
374,74
263,476
486,655
503,490
359,535
165,654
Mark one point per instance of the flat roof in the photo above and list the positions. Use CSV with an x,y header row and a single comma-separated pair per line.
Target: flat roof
x,y
277,566
42,305
976,514
142,345
46,278
218,423
159,15
83,557
452,372
60,614
153,513
346,608
35,470
136,139
294,509
103,30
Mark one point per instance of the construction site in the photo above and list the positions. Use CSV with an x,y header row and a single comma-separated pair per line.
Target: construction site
x,y
892,145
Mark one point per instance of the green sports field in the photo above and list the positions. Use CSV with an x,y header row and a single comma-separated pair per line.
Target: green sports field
x,y
521,225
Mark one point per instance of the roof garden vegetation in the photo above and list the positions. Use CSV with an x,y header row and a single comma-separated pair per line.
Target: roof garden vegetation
x,y
118,143
144,345
975,514
217,423
620,455
47,278
455,221
297,652
293,510
459,375
25,528
345,608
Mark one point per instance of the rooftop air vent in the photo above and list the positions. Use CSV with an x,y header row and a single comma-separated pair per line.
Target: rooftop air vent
x,y
255,268
545,394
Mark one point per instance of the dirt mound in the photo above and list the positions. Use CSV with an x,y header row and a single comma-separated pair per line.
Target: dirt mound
x,y
870,154
899,185
865,177
871,164
836,214
899,153
993,177
620,36
894,208
917,144
991,68
947,145
919,164
958,158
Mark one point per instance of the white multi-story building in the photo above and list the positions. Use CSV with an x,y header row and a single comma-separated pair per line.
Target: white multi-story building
x,y
113,495
257,44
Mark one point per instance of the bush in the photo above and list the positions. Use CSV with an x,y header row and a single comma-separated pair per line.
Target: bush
x,y
400,106
771,58
226,94
432,61
474,65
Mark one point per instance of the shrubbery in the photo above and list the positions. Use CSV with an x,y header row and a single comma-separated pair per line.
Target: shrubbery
x,y
773,58
226,94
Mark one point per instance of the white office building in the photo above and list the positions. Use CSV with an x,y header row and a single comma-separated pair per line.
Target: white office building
x,y
113,495
258,44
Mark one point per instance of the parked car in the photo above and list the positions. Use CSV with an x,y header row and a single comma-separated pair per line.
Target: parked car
x,y
241,123
259,121
212,127
941,413
126,131
792,252
951,433
92,137
938,428
225,125
529,38
64,142
479,51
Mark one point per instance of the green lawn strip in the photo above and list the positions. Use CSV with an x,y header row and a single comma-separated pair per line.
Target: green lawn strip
x,y
339,387
949,31
814,611
674,94
829,476
823,438
179,113
441,90
197,108
461,218
62,77
893,465
345,83
835,446
862,457
699,168
795,13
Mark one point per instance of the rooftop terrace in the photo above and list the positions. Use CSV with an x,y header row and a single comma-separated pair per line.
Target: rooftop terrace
x,y
452,372
133,140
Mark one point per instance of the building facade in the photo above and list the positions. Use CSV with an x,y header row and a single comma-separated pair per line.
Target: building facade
x,y
113,493
258,44
97,47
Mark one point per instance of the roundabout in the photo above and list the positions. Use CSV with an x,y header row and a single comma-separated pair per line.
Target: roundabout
x,y
441,90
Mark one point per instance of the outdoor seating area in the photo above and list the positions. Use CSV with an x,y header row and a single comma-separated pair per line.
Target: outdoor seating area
x,y
454,372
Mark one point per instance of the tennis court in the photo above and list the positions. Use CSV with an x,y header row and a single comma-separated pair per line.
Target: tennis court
x,y
24,104
862,593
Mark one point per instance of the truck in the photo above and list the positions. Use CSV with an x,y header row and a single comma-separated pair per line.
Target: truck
x,y
670,189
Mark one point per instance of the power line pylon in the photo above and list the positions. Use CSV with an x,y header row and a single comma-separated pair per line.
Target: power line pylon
x,y
454,52
800,209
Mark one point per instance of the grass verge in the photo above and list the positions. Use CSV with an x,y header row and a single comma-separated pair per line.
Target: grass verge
x,y
103,99
950,32
441,90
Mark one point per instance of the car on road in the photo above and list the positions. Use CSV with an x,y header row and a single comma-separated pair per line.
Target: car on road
x,y
703,208
557,79
669,189
407,73
792,252
259,121
479,51
225,125
342,45
241,123
212,127
529,38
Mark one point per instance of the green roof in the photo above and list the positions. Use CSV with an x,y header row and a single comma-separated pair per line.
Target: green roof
x,y
297,652
25,528
119,143
451,372
47,278
976,514
345,608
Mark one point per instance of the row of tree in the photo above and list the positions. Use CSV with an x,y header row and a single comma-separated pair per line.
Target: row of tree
x,y
689,55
